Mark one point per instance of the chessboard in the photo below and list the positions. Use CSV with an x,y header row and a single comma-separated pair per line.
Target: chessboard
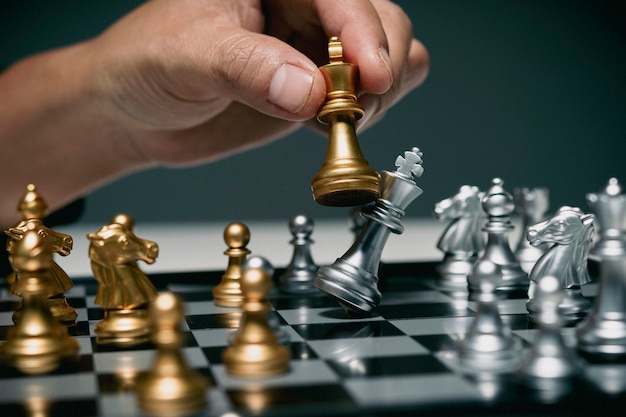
x,y
399,361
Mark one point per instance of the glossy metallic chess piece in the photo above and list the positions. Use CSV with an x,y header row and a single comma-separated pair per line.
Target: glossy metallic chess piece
x,y
570,231
489,344
300,272
498,205
462,240
345,178
352,279
603,332
609,206
228,292
549,366
32,208
171,387
531,204
37,343
256,352
124,291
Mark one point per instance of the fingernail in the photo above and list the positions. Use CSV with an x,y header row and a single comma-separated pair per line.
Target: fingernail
x,y
384,57
290,88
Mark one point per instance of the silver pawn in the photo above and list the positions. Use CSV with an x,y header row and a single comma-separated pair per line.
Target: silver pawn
x,y
609,206
498,205
549,364
603,333
488,344
300,272
531,205
352,279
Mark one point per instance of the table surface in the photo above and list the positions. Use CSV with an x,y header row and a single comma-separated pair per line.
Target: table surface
x,y
200,246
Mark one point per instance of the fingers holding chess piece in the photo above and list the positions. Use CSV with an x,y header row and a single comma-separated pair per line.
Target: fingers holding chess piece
x,y
33,208
256,351
345,179
124,291
228,292
37,343
171,387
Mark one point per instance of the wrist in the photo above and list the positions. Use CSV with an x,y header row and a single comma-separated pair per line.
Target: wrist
x,y
56,132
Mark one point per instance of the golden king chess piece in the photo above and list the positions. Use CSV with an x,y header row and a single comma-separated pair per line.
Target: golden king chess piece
x,y
256,351
345,178
228,292
171,387
37,343
32,208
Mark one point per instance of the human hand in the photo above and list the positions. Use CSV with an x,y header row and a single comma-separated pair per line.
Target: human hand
x,y
190,81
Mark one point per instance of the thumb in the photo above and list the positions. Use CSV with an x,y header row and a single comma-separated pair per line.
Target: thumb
x,y
268,75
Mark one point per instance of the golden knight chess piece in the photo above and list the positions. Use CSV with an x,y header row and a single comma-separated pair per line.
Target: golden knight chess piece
x,y
256,351
32,207
124,291
37,343
345,178
171,387
228,292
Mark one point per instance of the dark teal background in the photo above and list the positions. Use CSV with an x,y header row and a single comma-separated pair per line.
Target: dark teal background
x,y
533,92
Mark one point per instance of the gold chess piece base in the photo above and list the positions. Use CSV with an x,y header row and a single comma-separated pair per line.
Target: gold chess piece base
x,y
59,308
37,343
228,293
255,351
256,360
123,327
171,388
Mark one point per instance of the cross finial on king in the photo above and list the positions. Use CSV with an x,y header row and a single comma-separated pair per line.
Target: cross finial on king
x,y
410,164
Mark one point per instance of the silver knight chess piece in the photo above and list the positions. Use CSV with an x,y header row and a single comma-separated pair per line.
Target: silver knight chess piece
x,y
531,204
609,207
498,205
462,240
570,231
352,279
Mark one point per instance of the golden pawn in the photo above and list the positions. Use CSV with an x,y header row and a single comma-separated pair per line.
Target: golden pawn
x,y
345,178
228,292
171,387
37,343
256,351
